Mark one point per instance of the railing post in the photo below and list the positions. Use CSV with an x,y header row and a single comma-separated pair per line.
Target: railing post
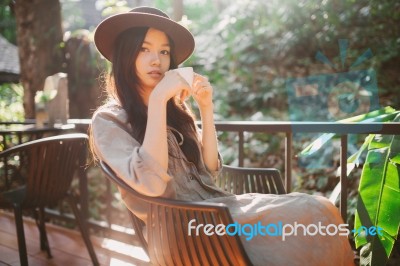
x,y
343,176
288,161
241,148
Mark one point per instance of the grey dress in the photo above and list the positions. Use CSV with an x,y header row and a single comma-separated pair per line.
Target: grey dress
x,y
115,145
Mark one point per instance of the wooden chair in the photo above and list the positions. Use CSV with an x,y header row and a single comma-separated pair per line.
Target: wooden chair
x,y
41,173
241,180
169,242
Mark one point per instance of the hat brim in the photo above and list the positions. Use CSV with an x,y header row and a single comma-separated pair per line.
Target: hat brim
x,y
109,29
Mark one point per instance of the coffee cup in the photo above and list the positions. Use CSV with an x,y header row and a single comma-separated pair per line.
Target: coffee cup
x,y
187,74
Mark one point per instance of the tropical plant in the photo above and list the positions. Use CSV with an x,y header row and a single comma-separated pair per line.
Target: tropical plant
x,y
43,97
7,22
11,108
378,201
250,48
253,46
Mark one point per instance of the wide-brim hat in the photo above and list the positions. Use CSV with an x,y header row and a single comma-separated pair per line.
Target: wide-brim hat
x,y
108,30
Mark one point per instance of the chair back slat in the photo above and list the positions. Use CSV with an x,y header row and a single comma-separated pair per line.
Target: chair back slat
x,y
153,224
47,165
219,245
169,242
166,237
202,242
189,244
240,180
219,257
273,188
174,238
181,241
265,184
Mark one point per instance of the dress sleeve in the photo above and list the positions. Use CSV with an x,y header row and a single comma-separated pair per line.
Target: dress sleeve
x,y
215,173
114,145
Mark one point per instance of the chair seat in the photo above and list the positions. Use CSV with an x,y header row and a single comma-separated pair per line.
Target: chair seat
x,y
17,194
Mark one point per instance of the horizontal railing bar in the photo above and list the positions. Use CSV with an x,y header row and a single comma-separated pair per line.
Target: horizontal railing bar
x,y
280,126
285,126
309,127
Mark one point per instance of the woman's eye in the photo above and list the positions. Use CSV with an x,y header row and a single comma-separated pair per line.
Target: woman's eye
x,y
165,52
144,49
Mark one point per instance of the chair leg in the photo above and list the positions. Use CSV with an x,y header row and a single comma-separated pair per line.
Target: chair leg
x,y
23,256
41,224
83,228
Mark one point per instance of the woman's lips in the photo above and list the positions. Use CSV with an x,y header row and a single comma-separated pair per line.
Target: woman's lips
x,y
155,74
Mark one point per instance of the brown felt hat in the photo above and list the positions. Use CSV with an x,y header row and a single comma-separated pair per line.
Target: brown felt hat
x,y
109,29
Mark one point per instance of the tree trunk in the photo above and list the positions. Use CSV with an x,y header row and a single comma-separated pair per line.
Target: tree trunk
x,y
84,66
39,35
178,10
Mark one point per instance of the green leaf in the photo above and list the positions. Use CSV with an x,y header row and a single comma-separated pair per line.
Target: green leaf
x,y
353,161
396,159
316,144
356,156
379,198
382,115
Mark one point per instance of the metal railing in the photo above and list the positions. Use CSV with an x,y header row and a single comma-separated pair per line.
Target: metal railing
x,y
242,127
342,129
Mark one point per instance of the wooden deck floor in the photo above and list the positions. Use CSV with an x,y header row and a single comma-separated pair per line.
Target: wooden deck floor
x,y
66,245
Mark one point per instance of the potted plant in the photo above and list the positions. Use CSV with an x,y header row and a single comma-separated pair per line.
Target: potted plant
x,y
42,99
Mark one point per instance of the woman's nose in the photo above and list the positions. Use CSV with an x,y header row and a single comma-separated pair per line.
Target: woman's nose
x,y
155,59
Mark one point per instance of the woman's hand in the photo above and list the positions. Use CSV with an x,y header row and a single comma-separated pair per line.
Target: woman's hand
x,y
171,84
202,92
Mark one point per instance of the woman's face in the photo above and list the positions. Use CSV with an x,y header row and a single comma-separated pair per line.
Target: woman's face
x,y
153,59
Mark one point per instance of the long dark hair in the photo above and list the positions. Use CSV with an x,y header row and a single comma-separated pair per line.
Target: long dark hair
x,y
125,88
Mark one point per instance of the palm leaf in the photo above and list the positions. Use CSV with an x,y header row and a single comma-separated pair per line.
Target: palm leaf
x,y
382,115
354,160
379,198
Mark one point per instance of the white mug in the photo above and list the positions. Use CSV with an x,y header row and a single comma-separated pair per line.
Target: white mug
x,y
187,74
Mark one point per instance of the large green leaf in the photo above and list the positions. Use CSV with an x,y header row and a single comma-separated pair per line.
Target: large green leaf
x,y
354,160
382,115
379,198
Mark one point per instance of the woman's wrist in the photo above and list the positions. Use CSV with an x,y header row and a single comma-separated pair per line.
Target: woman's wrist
x,y
207,116
207,110
157,98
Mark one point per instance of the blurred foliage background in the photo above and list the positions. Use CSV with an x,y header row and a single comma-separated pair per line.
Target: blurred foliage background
x,y
248,49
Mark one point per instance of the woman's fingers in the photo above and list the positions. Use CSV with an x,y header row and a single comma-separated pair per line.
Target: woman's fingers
x,y
202,87
172,85
199,78
184,95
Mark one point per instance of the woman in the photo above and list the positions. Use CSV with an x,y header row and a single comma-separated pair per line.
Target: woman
x,y
147,134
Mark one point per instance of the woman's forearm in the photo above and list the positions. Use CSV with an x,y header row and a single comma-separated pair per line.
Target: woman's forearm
x,y
155,140
209,138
